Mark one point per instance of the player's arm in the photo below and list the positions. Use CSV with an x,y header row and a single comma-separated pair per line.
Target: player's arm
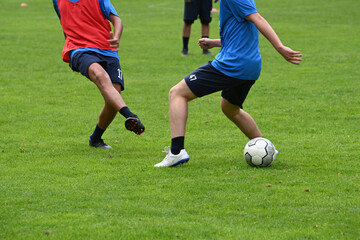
x,y
268,32
207,43
116,35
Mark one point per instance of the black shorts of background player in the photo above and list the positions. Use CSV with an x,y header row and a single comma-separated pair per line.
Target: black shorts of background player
x,y
192,10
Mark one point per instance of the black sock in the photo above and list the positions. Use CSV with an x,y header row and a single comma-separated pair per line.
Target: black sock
x,y
177,144
185,42
98,132
125,111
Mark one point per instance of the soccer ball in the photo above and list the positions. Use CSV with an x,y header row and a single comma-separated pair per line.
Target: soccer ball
x,y
260,152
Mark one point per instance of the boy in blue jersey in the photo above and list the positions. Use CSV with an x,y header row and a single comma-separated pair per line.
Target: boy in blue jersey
x,y
91,49
235,69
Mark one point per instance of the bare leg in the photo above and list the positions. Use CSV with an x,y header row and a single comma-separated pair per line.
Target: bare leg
x,y
108,113
242,119
179,96
186,30
102,80
205,29
185,38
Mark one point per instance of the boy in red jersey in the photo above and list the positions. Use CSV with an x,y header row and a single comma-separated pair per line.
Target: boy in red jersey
x,y
91,49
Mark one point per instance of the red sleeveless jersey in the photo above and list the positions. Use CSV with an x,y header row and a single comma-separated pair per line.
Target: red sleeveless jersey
x,y
84,25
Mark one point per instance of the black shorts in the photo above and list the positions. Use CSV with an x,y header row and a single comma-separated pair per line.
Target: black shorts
x,y
195,8
82,60
207,79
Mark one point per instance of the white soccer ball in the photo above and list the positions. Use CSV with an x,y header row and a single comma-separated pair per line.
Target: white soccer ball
x,y
260,152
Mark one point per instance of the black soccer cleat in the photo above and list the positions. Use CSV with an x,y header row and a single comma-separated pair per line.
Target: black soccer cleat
x,y
184,52
134,124
207,52
99,144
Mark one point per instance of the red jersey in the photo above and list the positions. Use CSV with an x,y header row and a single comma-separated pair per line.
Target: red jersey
x,y
84,25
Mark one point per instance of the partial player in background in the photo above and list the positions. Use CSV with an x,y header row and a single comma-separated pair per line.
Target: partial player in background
x,y
91,48
192,10
235,69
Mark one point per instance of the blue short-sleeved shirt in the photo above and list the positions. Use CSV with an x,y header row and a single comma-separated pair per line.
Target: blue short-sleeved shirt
x,y
239,56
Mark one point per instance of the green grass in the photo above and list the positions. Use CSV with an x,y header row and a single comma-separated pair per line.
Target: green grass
x,y
53,185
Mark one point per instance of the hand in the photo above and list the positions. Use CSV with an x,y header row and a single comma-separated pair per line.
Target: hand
x,y
290,55
203,43
114,42
207,43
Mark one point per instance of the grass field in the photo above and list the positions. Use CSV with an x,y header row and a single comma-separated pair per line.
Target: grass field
x,y
53,185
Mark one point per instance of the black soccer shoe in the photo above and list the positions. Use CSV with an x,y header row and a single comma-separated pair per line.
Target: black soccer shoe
x,y
99,144
134,124
184,52
207,52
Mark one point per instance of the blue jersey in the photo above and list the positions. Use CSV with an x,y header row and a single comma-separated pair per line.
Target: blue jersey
x,y
239,56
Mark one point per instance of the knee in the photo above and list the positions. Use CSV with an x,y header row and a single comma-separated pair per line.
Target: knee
x,y
178,92
173,93
188,23
99,77
181,91
96,74
229,109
